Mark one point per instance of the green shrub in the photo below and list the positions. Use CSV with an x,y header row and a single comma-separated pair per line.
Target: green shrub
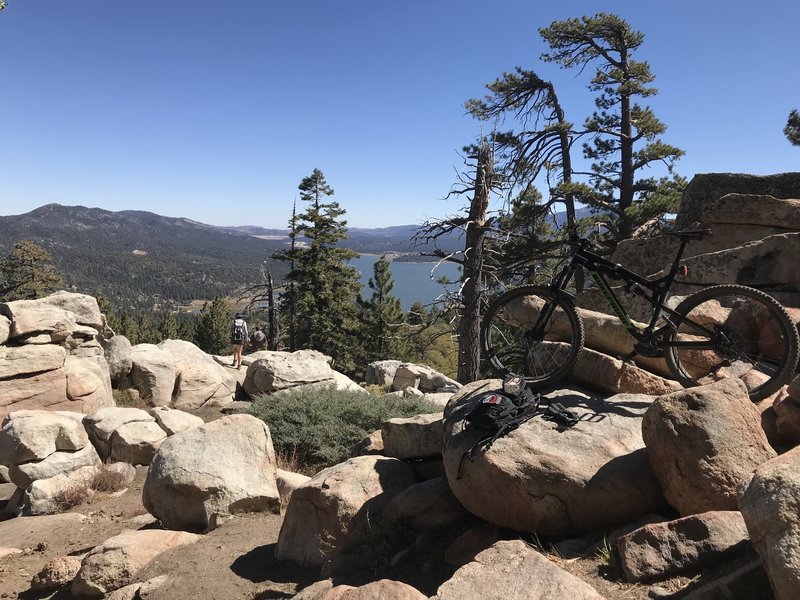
x,y
321,426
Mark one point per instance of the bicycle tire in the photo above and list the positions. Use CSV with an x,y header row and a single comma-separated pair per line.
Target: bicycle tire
x,y
755,339
506,332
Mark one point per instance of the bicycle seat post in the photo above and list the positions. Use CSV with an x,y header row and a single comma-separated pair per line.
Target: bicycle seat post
x,y
676,263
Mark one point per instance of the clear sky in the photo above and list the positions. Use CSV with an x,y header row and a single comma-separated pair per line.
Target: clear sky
x,y
216,111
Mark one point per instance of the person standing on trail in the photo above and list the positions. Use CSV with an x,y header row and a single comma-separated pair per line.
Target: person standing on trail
x,y
259,340
238,338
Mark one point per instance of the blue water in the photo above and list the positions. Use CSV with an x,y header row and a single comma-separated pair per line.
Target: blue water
x,y
412,281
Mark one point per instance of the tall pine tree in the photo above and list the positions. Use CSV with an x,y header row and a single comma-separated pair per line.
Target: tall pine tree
x,y
321,287
213,329
381,316
28,273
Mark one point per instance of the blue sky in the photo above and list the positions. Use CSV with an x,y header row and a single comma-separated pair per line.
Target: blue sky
x,y
215,111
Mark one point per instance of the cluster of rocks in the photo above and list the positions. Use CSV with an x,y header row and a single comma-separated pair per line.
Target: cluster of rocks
x,y
47,453
408,379
687,480
50,355
755,230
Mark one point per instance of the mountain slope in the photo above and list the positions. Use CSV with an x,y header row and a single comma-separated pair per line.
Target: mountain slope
x,y
136,257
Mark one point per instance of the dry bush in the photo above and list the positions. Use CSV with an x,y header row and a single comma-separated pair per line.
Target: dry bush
x,y
107,480
129,397
289,460
71,497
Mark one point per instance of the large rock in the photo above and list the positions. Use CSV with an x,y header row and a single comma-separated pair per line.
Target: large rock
x,y
114,563
423,378
381,372
46,390
338,505
278,371
199,379
703,442
117,352
661,550
755,264
224,467
513,570
53,317
61,462
425,505
734,220
770,505
88,382
708,187
753,210
101,424
787,419
413,437
32,435
288,482
606,334
136,443
42,496
593,475
598,371
382,589
17,361
174,421
153,374
47,377
5,329
84,307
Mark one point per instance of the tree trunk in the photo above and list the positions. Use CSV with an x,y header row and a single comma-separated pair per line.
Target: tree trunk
x,y
272,327
469,352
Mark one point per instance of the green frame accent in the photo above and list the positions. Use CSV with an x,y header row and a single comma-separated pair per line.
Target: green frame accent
x,y
619,310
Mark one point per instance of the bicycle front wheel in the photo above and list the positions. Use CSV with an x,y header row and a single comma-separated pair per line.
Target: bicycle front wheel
x,y
533,333
733,331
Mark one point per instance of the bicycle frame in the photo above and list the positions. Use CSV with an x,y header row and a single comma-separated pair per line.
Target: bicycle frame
x,y
655,292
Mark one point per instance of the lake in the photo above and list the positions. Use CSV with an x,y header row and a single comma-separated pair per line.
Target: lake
x,y
412,281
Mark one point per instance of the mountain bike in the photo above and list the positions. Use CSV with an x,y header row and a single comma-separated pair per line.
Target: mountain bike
x,y
721,331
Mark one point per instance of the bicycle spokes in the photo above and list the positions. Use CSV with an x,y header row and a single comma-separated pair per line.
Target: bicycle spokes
x,y
528,331
732,331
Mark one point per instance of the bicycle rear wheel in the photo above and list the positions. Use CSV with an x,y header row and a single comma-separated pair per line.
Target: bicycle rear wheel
x,y
737,331
531,332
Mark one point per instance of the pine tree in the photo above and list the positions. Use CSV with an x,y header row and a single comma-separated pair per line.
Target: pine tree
x,y
168,329
28,273
212,333
624,135
792,129
129,327
322,287
147,331
186,328
108,310
381,316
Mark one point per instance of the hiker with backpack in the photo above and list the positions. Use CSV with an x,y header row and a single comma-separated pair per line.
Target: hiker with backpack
x,y
238,338
259,340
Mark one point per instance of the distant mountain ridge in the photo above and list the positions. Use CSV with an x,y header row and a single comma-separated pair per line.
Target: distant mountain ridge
x,y
137,257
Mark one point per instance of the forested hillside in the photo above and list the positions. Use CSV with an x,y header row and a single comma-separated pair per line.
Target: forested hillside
x,y
138,258
135,258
